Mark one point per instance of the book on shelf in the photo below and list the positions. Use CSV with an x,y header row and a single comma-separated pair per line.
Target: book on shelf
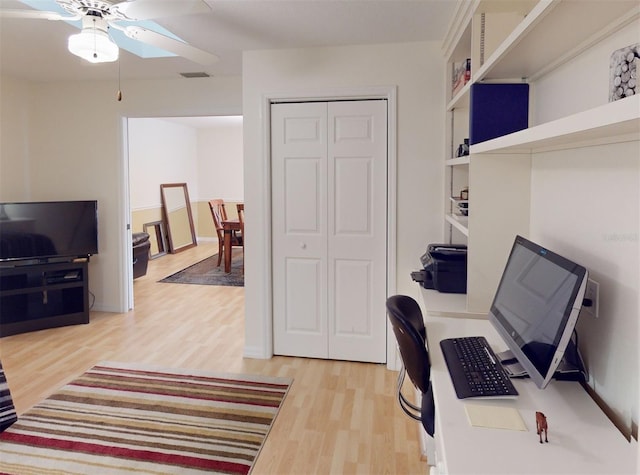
x,y
461,75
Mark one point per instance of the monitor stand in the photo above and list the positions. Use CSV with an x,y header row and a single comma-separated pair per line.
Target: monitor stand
x,y
511,365
571,368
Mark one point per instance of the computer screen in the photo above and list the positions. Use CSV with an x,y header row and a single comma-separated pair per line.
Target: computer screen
x,y
536,307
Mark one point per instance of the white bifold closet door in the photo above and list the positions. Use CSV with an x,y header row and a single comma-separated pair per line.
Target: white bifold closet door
x,y
329,231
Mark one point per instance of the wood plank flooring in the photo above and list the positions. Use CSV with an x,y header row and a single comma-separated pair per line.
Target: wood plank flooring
x,y
339,417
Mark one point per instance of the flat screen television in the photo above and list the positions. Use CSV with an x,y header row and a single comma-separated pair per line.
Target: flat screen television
x,y
48,231
536,307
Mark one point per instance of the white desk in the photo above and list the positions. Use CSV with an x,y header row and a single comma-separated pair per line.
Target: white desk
x,y
581,438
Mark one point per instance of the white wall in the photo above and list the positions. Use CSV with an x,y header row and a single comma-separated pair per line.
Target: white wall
x,y
584,205
594,195
73,143
205,153
220,162
582,83
160,152
417,71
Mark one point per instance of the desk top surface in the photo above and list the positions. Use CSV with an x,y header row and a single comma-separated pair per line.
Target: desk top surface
x,y
581,438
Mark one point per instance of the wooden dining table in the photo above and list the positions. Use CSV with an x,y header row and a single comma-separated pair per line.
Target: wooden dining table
x,y
229,226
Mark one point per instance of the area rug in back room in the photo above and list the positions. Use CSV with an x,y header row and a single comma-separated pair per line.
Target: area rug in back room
x,y
207,272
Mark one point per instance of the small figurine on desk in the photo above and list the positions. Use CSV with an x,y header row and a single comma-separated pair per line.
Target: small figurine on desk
x,y
541,425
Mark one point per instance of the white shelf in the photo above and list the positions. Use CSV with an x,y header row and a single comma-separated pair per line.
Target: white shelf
x,y
457,200
461,99
613,122
462,218
447,305
459,223
457,161
549,34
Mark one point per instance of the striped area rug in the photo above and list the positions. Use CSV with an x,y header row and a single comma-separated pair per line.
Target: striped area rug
x,y
133,419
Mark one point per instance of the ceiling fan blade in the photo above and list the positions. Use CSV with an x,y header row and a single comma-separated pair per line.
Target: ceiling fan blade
x,y
36,15
169,44
151,9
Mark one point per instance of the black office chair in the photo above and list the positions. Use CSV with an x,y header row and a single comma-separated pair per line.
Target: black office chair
x,y
408,325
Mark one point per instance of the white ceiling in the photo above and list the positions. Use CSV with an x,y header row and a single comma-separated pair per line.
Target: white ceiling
x,y
36,49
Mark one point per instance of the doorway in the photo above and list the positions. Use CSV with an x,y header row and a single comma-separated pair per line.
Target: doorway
x,y
190,150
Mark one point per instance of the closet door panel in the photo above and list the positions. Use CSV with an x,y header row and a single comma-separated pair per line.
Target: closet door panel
x,y
299,229
357,167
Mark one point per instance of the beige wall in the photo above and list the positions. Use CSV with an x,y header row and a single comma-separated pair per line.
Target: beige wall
x,y
201,217
140,217
15,117
205,229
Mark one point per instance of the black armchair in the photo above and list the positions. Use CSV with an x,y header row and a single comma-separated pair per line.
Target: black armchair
x,y
408,325
141,246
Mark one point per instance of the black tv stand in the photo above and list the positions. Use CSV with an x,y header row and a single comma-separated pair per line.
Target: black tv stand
x,y
43,295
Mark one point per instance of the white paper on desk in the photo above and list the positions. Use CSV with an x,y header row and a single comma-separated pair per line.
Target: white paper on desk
x,y
494,417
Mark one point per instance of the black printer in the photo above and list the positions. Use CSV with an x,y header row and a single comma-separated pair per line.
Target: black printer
x,y
444,268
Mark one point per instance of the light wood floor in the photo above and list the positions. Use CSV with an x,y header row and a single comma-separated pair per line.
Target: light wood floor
x,y
339,417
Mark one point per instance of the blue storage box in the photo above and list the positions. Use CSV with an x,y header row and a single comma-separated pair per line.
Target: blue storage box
x,y
497,110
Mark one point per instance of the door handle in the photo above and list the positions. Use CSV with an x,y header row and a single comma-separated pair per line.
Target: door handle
x,y
303,245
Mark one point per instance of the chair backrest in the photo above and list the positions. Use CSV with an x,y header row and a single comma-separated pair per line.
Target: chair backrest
x,y
7,409
219,214
240,208
408,325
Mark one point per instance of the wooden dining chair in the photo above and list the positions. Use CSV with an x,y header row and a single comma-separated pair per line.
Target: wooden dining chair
x,y
219,214
240,208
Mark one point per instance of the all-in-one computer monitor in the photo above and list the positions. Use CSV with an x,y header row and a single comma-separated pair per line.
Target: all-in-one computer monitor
x,y
536,307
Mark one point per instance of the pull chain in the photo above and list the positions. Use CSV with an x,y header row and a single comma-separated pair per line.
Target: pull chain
x,y
119,93
95,40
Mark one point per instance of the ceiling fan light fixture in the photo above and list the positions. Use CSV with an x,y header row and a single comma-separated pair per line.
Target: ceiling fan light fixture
x,y
93,42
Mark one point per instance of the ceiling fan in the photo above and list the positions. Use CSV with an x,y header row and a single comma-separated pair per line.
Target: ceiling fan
x,y
94,42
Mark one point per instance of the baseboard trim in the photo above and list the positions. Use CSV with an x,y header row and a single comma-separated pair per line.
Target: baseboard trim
x,y
627,431
255,352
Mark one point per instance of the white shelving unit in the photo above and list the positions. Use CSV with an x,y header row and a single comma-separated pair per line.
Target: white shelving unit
x,y
461,99
561,49
545,38
461,223
447,305
523,40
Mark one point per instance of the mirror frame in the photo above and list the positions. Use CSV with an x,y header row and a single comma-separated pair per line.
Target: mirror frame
x,y
156,233
165,213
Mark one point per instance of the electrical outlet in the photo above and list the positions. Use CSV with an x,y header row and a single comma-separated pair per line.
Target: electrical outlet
x,y
592,293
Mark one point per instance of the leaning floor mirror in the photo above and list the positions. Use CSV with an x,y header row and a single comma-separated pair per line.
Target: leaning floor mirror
x,y
176,209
